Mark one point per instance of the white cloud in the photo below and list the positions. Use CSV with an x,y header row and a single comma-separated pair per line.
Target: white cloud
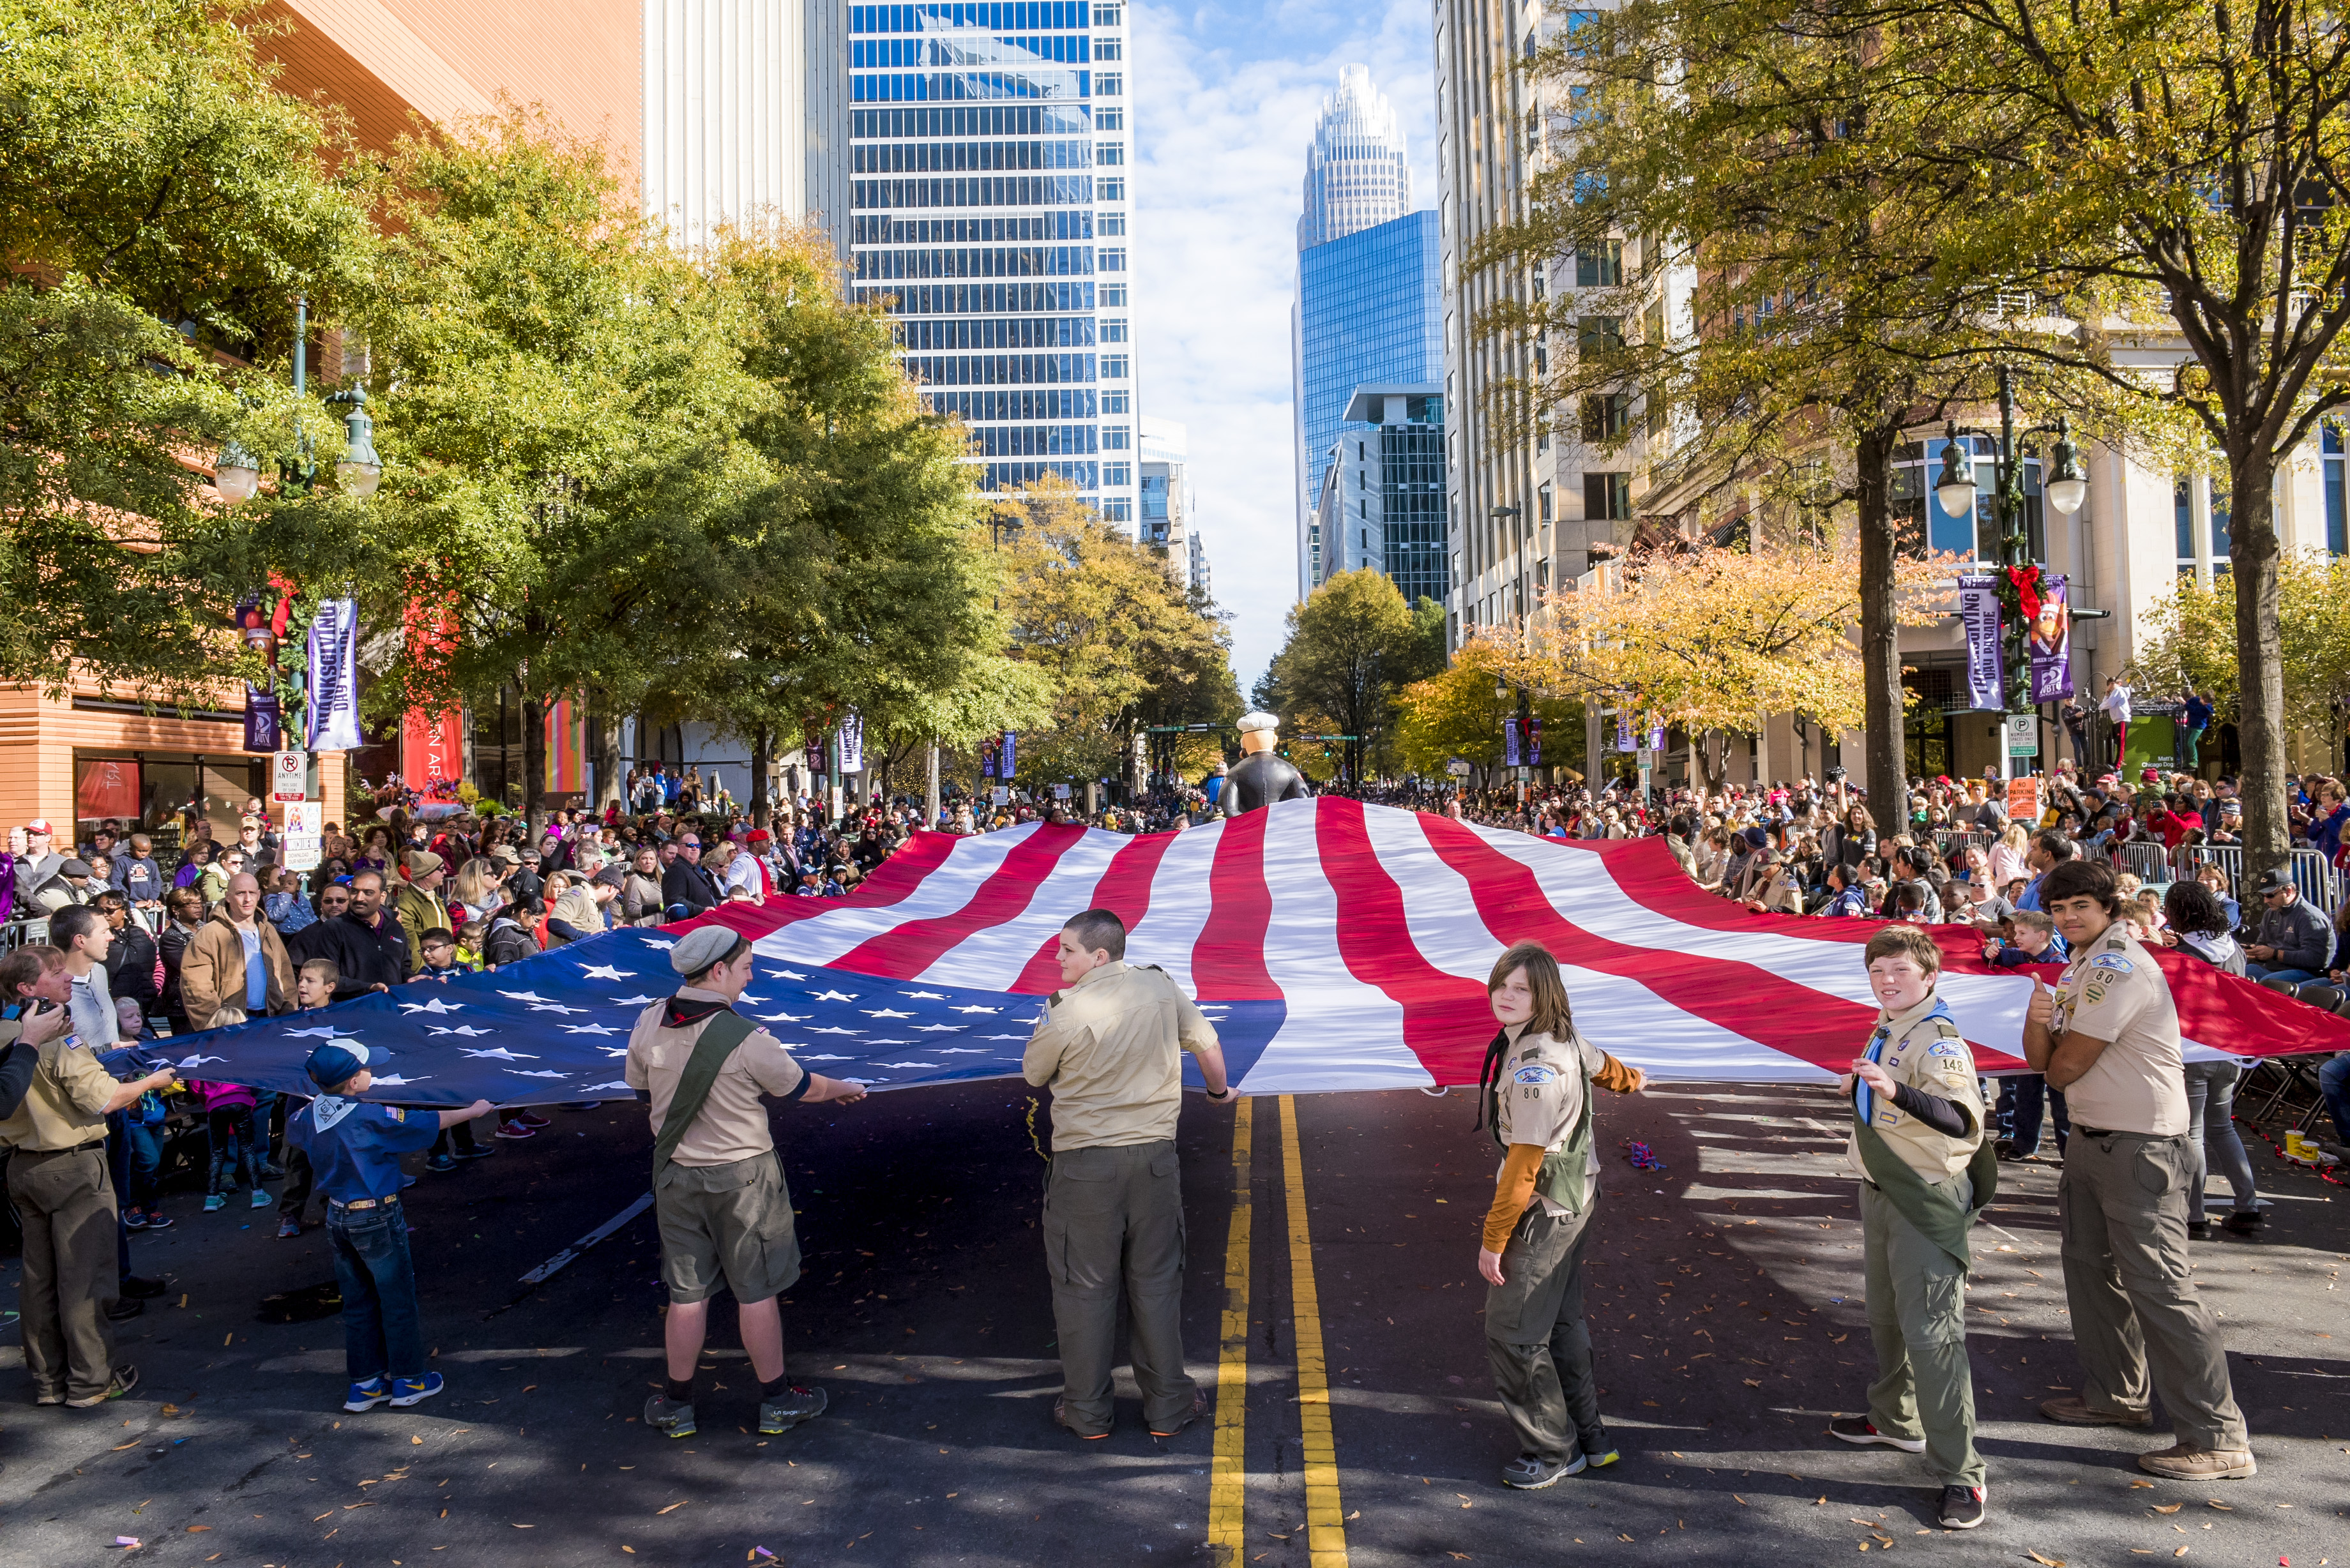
x,y
1224,104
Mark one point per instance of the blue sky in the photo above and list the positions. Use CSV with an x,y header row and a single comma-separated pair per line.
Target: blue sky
x,y
1225,98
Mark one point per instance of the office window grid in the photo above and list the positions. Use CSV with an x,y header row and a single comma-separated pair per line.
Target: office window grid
x,y
1369,310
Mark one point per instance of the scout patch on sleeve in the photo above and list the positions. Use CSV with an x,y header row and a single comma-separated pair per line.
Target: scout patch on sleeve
x,y
1944,1048
1536,1074
395,1113
2096,993
2114,961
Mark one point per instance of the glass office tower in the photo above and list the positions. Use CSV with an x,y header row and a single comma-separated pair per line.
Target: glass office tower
x,y
989,154
1369,312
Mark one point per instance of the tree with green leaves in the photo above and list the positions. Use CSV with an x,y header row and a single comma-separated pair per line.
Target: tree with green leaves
x,y
1352,645
1115,639
162,205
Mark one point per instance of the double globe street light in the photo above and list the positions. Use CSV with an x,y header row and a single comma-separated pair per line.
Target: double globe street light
x,y
237,474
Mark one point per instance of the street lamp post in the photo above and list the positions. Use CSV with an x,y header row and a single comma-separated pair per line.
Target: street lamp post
x,y
2064,488
236,474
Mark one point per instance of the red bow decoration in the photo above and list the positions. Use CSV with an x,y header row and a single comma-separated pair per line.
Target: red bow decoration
x,y
2027,589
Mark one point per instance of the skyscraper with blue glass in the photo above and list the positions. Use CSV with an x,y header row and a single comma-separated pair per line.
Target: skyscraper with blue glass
x,y
1370,290
989,153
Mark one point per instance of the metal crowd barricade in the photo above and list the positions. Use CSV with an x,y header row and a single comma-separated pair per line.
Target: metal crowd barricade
x,y
2148,862
2228,858
2314,876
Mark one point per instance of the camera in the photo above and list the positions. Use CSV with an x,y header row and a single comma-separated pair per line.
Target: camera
x,y
1834,774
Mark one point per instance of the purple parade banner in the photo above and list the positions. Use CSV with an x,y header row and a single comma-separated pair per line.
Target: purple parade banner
x,y
1979,614
1512,752
261,718
2049,644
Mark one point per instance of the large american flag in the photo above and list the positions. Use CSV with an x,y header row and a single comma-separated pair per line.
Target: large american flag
x,y
1335,945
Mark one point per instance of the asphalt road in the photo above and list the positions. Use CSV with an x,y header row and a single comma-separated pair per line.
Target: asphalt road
x,y
1724,1304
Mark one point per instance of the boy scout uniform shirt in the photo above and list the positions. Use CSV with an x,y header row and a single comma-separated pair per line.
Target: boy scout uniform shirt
x,y
66,1106
1541,1096
1110,1047
732,1125
355,1145
1913,1050
2112,990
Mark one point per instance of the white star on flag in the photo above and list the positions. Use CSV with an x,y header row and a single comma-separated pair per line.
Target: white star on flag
x,y
1006,1037
785,974
746,996
785,1017
435,1005
527,1073
814,1058
832,996
905,1064
467,1030
882,1012
499,1054
607,971
522,996
587,1029
977,1010
393,1080
600,1088
613,1050
634,1001
324,1032
926,995
960,1051
660,947
835,1030
189,1064
940,1028
553,1007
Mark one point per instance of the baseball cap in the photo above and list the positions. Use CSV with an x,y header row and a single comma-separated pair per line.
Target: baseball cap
x,y
2275,879
74,868
335,1062
40,825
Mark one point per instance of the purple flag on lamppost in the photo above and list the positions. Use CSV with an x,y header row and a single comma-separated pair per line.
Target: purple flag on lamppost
x,y
1979,614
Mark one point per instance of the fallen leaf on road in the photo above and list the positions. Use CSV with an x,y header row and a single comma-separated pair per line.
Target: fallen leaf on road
x,y
2169,1508
2046,1562
678,1504
418,1441
1740,1500
2180,1552
196,1529
2223,1508
1751,1382
119,1447
2139,1484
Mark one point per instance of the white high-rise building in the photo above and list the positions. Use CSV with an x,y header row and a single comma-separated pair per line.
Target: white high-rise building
x,y
1355,171
990,151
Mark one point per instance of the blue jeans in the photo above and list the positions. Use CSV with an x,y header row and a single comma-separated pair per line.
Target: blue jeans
x,y
2027,1097
142,1162
2334,1079
2212,1132
2298,976
230,1131
383,1326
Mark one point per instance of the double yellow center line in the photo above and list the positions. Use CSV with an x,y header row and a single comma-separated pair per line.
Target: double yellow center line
x,y
1228,1481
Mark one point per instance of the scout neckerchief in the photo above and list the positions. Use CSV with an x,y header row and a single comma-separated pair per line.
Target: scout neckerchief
x,y
1864,1098
1934,1212
329,1109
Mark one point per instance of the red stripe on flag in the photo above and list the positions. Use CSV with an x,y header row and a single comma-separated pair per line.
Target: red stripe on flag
x,y
908,950
893,881
1228,960
1742,998
1447,1020
1124,890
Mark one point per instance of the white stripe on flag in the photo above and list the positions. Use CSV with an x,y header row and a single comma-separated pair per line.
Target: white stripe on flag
x,y
1180,903
823,938
990,958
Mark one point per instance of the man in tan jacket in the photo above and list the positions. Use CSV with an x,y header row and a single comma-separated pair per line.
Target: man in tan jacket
x,y
236,967
423,905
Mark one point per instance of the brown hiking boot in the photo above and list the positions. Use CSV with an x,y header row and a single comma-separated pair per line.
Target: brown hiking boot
x,y
2179,1462
2072,1410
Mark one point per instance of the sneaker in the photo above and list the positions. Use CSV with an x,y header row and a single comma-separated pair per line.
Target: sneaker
x,y
1530,1472
514,1130
478,1151
2179,1462
273,1173
51,1397
2246,1221
531,1119
365,1395
789,1408
407,1391
670,1417
1860,1429
212,1202
1962,1507
2073,1411
125,1378
122,1309
262,1200
134,1220
2199,1229
288,1227
442,1162
1199,1408
1598,1448
1061,1418
158,1220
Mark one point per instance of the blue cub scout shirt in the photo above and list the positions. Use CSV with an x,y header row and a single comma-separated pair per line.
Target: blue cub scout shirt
x,y
355,1146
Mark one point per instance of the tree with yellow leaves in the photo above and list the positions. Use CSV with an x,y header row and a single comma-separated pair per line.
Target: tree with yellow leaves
x,y
1715,638
1455,713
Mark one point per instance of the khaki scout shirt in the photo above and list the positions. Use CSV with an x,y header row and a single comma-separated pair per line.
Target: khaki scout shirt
x,y
1916,1051
2113,991
66,1106
1544,1086
1110,1048
733,1123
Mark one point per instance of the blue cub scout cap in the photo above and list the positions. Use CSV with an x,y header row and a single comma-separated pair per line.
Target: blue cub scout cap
x,y
335,1062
